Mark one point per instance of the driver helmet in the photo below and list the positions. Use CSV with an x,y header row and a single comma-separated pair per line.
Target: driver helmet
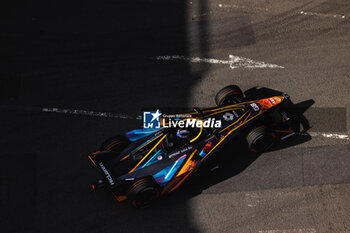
x,y
183,133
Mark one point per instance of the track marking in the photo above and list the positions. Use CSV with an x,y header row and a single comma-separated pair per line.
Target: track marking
x,y
72,112
129,116
90,113
252,199
234,61
322,15
240,7
330,135
300,230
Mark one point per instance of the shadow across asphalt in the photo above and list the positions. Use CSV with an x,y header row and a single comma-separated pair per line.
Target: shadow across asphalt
x,y
98,56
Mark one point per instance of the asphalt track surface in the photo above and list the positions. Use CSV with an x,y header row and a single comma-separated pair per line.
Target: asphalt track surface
x,y
99,56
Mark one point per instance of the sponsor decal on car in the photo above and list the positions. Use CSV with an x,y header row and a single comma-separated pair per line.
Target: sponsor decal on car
x,y
234,113
228,116
108,176
272,101
181,151
255,107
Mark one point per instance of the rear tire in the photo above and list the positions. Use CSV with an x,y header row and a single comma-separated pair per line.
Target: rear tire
x,y
260,139
115,144
143,192
229,95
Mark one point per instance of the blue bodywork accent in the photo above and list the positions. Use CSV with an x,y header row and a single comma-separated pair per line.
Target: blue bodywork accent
x,y
137,134
165,175
202,154
154,158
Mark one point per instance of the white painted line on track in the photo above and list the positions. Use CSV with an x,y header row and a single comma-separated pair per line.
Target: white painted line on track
x,y
240,7
330,135
252,199
129,116
322,15
300,230
90,113
72,112
234,61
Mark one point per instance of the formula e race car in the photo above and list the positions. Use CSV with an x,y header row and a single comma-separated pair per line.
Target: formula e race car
x,y
145,164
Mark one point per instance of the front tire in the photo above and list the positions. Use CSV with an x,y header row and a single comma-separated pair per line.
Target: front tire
x,y
229,95
260,139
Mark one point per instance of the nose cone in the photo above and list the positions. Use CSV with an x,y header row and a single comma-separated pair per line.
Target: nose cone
x,y
278,99
270,102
